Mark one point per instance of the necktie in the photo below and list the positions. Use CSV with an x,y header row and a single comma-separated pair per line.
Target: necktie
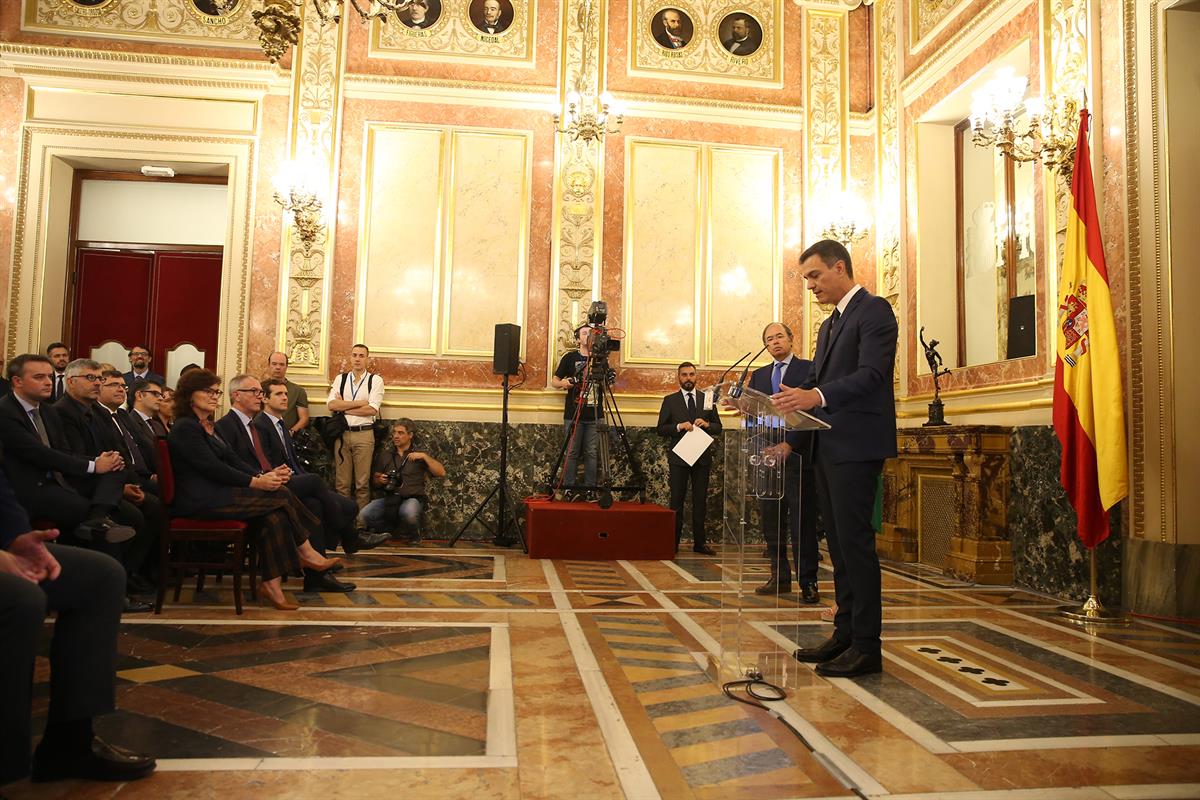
x,y
58,386
258,449
36,416
691,407
135,456
777,377
288,452
833,319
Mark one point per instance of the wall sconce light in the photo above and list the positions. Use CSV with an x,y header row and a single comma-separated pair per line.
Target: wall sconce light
x,y
298,191
847,218
1025,130
590,123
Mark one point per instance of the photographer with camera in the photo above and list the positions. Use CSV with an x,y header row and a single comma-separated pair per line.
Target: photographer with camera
x,y
400,471
580,413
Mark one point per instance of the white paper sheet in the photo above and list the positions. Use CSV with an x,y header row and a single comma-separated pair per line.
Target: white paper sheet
x,y
692,445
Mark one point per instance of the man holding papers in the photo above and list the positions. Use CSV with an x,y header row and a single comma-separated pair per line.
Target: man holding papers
x,y
688,421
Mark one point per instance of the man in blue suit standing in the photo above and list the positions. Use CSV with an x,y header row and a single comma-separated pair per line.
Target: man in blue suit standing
x,y
851,389
793,517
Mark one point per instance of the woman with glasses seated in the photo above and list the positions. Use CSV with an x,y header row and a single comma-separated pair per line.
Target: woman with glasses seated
x,y
212,482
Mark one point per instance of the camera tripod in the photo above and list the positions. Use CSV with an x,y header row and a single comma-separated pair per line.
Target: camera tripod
x,y
506,516
609,425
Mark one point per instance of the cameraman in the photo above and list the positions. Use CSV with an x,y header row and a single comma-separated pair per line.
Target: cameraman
x,y
579,419
400,471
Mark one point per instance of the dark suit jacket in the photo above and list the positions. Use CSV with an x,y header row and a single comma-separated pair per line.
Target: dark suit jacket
x,y
26,459
798,373
273,445
231,429
109,438
853,369
143,434
665,41
206,469
672,413
79,427
14,521
151,376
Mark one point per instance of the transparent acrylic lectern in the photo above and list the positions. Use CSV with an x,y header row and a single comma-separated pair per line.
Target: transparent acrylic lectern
x,y
752,515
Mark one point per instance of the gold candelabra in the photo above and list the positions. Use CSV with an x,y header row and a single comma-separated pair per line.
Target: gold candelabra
x,y
298,194
588,124
1025,130
279,23
846,218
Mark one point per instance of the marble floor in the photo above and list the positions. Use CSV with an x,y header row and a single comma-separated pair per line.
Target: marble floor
x,y
476,672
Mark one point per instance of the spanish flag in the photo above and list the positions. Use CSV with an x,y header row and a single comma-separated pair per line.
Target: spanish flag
x,y
1089,414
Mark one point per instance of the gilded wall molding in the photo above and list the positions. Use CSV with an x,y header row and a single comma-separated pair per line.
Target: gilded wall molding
x,y
314,137
759,115
826,114
578,187
889,189
928,18
397,88
976,28
454,36
170,21
1133,266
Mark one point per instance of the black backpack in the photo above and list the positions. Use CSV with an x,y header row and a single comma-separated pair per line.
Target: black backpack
x,y
337,424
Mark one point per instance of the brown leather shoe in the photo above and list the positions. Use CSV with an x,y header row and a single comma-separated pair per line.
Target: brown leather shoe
x,y
774,587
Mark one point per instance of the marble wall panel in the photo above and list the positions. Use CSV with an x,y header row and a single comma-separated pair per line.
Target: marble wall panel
x,y
655,379
861,183
263,313
12,104
462,69
862,78
401,239
488,237
1024,26
744,247
426,370
663,252
1047,555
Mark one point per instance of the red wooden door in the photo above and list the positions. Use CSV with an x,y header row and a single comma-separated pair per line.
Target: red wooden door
x,y
159,299
112,296
186,302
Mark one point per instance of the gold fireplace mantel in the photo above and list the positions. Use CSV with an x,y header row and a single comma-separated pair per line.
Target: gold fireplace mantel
x,y
945,502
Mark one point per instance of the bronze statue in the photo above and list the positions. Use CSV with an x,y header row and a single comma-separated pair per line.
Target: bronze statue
x,y
934,359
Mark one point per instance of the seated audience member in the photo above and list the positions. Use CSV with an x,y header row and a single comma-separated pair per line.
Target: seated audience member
x,y
166,411
85,590
336,511
212,482
400,471
296,417
122,431
237,430
87,426
139,359
144,421
38,461
59,356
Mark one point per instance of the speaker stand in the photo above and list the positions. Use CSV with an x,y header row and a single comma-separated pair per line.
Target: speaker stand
x,y
506,518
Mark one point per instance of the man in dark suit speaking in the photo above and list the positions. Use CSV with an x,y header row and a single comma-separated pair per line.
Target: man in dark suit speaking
x,y
794,516
851,389
681,411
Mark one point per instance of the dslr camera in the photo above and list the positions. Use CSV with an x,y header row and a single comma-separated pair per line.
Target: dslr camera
x,y
392,476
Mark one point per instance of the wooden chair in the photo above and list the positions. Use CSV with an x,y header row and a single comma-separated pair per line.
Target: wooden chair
x,y
230,535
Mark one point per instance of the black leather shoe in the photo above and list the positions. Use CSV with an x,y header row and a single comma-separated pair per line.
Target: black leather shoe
x,y
324,582
831,649
135,606
850,664
704,550
809,593
104,530
368,540
774,587
100,762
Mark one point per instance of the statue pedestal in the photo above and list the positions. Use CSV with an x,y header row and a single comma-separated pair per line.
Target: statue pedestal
x,y
945,502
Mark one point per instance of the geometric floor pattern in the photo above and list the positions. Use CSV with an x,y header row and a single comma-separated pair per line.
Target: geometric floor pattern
x,y
479,672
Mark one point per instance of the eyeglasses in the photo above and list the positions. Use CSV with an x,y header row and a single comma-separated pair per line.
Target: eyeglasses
x,y
120,386
89,378
255,392
154,392
210,392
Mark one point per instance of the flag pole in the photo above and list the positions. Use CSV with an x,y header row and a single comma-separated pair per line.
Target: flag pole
x,y
1092,612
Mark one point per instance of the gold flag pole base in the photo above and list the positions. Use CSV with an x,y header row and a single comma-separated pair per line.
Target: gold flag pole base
x,y
1092,612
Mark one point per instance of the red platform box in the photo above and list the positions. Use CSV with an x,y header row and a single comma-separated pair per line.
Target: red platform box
x,y
633,531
